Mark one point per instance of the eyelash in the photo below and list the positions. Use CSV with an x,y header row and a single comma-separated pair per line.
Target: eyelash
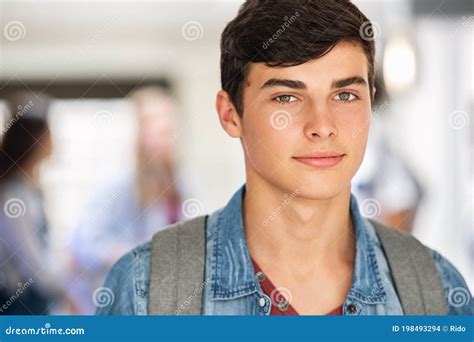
x,y
280,102
348,101
275,99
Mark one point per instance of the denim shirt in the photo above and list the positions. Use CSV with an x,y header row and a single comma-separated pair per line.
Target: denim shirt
x,y
231,287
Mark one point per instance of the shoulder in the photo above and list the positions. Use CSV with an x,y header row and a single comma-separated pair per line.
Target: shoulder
x,y
128,281
457,293
126,286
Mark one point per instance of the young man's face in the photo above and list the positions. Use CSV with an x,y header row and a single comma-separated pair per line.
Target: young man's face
x,y
293,116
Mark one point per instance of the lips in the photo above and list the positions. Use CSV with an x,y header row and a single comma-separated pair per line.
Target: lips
x,y
321,159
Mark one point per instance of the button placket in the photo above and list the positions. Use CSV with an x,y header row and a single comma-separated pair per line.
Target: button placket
x,y
264,303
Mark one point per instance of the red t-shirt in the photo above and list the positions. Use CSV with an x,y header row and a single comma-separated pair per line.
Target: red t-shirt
x,y
280,307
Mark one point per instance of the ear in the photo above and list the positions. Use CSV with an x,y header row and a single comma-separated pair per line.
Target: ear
x,y
229,118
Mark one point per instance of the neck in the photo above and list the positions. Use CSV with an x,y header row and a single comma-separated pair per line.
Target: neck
x,y
287,229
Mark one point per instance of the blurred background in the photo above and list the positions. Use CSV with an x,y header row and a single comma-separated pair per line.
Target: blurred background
x,y
109,133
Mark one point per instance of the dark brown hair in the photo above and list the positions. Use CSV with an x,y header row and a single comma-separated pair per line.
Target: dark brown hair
x,y
288,33
25,125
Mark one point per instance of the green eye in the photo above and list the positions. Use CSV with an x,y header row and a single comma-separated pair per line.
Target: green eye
x,y
346,97
284,98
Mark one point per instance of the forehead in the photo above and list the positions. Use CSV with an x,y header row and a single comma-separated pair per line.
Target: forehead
x,y
344,60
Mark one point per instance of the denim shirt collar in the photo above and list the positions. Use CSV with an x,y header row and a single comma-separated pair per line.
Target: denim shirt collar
x,y
232,272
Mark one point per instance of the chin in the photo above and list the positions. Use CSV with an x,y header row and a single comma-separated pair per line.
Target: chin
x,y
321,187
311,188
322,193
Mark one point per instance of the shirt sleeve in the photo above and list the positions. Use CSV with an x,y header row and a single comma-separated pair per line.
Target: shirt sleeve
x,y
125,291
29,258
99,237
458,296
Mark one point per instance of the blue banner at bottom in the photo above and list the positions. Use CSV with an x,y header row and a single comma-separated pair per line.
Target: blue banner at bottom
x,y
245,329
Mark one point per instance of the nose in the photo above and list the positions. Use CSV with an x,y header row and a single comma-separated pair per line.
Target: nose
x,y
320,125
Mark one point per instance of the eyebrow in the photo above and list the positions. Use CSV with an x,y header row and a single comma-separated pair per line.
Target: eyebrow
x,y
294,84
276,82
348,81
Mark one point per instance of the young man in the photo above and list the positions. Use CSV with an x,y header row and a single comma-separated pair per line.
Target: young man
x,y
297,87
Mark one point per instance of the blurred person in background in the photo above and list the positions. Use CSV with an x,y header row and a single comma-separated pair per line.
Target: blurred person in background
x,y
29,283
385,185
131,207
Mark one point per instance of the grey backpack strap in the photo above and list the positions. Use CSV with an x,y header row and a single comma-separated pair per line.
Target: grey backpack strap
x,y
177,269
414,272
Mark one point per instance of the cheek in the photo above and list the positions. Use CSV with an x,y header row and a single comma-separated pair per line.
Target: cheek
x,y
354,133
267,138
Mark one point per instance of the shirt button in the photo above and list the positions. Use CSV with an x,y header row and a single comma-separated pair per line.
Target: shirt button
x,y
262,302
352,308
260,276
